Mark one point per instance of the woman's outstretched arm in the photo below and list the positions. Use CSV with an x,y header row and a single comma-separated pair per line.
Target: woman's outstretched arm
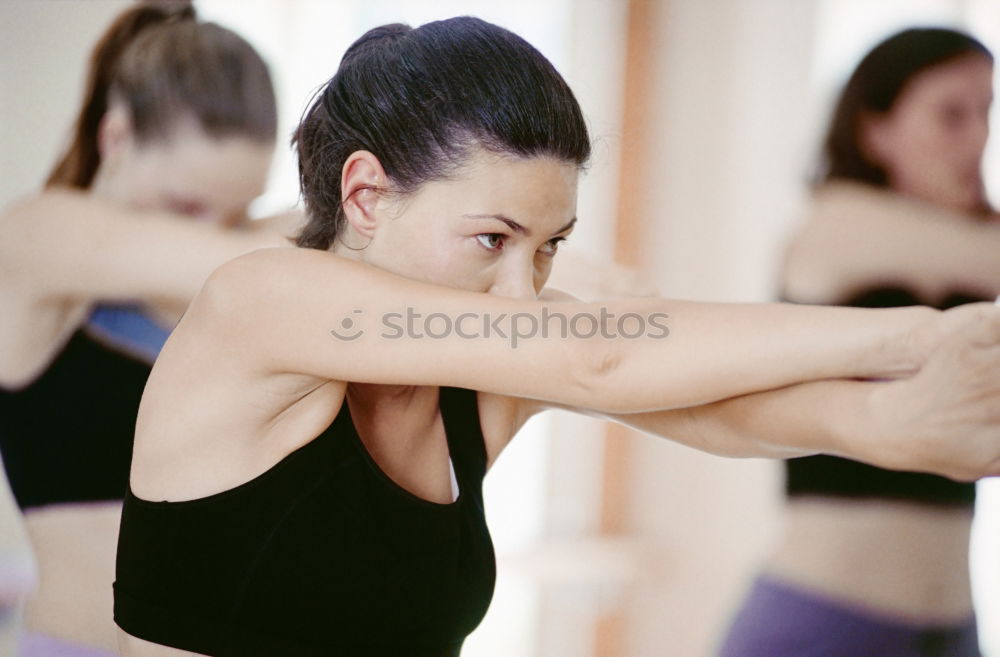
x,y
64,244
857,235
310,312
945,419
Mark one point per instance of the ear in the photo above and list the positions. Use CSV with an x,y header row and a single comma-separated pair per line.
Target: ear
x,y
114,132
875,137
361,180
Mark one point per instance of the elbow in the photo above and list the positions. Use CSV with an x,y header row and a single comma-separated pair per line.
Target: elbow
x,y
596,380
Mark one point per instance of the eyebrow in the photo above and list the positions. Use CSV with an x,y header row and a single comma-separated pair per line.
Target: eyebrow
x,y
513,225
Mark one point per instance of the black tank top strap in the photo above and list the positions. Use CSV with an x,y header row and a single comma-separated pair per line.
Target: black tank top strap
x,y
460,415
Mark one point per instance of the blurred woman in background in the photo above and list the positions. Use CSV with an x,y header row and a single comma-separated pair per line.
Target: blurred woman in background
x,y
17,569
873,561
172,143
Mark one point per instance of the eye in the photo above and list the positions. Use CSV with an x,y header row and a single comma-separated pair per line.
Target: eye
x,y
552,246
492,241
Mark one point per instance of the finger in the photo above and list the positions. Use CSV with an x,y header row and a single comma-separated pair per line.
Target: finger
x,y
983,330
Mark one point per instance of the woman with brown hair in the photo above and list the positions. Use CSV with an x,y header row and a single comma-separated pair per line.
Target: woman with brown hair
x,y
312,442
173,141
874,561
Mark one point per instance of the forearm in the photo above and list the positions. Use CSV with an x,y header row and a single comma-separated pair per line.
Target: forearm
x,y
718,351
833,417
926,423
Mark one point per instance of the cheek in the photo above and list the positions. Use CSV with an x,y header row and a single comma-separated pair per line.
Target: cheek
x,y
921,148
542,272
146,186
424,254
458,262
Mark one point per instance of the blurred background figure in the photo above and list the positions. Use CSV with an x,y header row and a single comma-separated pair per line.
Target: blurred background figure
x,y
874,562
172,142
17,570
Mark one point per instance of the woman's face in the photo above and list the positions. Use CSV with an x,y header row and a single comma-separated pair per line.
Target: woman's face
x,y
931,142
189,173
493,227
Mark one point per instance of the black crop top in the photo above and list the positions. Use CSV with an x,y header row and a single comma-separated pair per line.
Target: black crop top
x,y
833,476
323,554
67,436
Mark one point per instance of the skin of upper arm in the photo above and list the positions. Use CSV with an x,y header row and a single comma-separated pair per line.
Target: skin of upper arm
x,y
310,312
64,244
855,237
314,313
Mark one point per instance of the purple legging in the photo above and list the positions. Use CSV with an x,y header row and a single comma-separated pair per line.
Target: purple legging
x,y
780,620
41,645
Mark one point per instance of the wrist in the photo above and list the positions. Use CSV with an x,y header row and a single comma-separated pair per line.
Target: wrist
x,y
868,429
891,439
902,349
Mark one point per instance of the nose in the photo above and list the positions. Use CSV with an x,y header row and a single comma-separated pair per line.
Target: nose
x,y
981,135
515,282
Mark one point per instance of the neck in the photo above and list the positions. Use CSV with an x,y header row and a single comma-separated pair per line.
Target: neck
x,y
349,246
373,395
103,185
388,403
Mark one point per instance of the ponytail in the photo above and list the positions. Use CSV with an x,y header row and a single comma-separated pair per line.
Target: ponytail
x,y
78,165
162,64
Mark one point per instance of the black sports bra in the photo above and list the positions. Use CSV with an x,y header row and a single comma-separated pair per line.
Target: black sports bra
x,y
833,476
323,554
67,436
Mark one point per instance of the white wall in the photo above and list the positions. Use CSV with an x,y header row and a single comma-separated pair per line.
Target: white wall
x,y
43,55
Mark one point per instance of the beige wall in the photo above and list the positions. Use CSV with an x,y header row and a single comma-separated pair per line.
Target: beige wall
x,y
721,165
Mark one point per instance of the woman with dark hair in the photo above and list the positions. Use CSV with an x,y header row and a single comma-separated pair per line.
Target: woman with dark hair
x,y
873,561
310,450
173,141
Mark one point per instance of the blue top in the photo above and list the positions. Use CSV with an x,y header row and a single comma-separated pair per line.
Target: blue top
x,y
128,327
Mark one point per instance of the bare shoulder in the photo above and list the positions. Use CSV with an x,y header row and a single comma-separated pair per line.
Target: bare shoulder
x,y
272,262
239,288
283,270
